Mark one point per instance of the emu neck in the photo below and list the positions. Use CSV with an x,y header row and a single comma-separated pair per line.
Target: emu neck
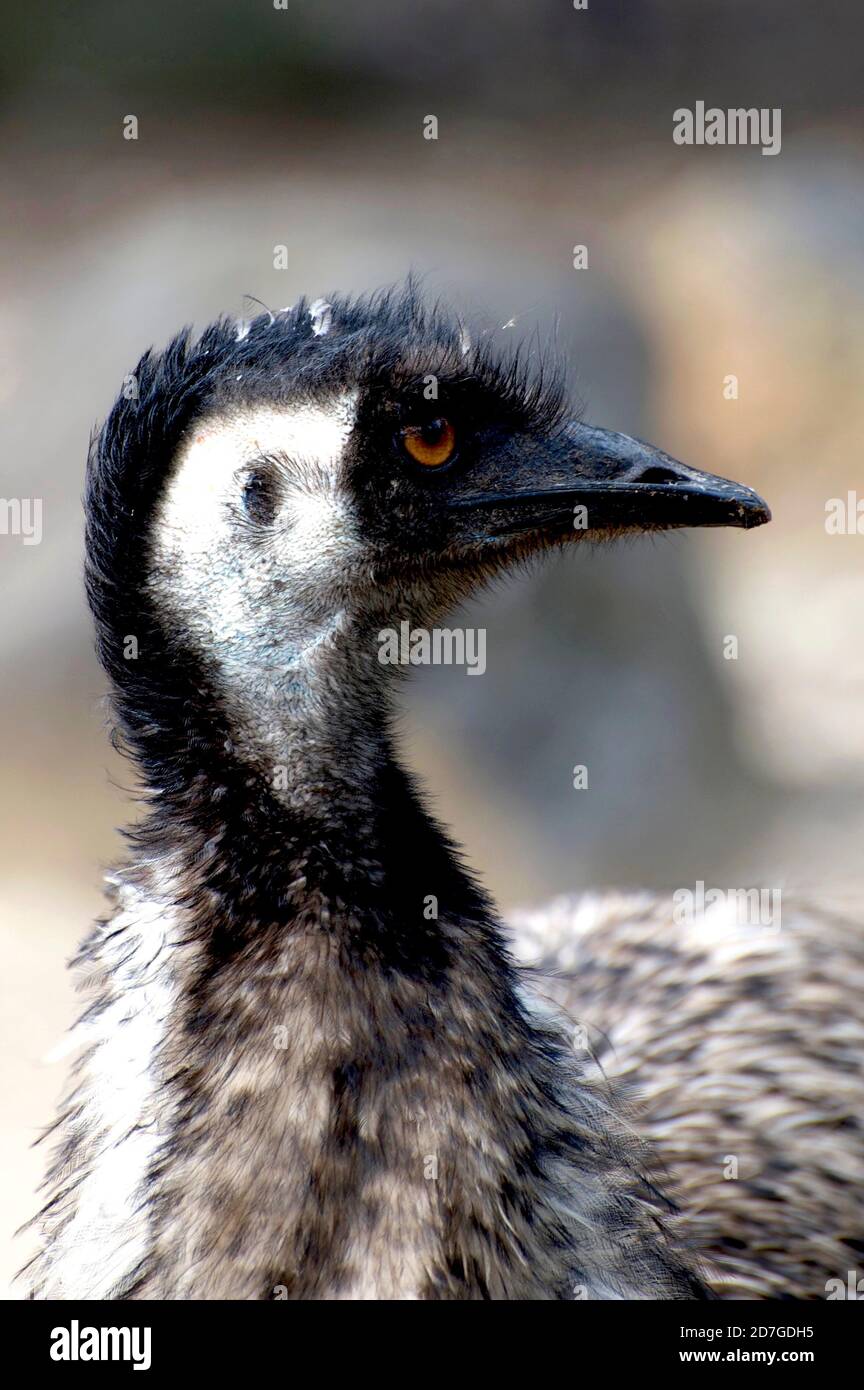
x,y
313,1075
313,727
340,988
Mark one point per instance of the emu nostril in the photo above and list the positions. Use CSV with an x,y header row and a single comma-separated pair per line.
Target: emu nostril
x,y
658,475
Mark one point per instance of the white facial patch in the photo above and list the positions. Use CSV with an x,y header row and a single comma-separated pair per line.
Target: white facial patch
x,y
254,596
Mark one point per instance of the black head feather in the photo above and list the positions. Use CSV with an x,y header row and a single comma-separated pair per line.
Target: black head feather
x,y
387,345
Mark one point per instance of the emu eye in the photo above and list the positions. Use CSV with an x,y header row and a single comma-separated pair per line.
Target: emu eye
x,y
431,444
260,496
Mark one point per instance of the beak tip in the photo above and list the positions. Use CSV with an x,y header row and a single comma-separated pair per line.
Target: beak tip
x,y
755,512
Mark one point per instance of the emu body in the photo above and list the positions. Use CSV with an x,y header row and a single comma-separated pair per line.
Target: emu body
x,y
739,1051
297,1081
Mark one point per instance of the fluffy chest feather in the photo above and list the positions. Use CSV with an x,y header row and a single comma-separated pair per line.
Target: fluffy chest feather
x,y
289,1118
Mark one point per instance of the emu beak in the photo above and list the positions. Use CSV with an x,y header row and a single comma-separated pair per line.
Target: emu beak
x,y
621,483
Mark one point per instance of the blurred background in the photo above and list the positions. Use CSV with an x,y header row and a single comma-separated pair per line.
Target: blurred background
x,y
302,127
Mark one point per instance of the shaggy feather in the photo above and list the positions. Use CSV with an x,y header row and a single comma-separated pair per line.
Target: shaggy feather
x,y
298,1082
740,1051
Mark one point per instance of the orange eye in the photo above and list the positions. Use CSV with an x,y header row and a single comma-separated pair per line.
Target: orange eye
x,y
431,444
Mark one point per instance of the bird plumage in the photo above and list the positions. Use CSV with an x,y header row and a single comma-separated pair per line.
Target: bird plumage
x,y
738,1045
299,1078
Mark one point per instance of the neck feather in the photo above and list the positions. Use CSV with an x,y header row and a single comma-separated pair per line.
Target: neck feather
x,y
347,1094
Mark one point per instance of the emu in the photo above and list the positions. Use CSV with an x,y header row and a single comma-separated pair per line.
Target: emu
x,y
297,1081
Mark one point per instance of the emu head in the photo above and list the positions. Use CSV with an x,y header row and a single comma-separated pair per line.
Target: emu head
x,y
274,492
